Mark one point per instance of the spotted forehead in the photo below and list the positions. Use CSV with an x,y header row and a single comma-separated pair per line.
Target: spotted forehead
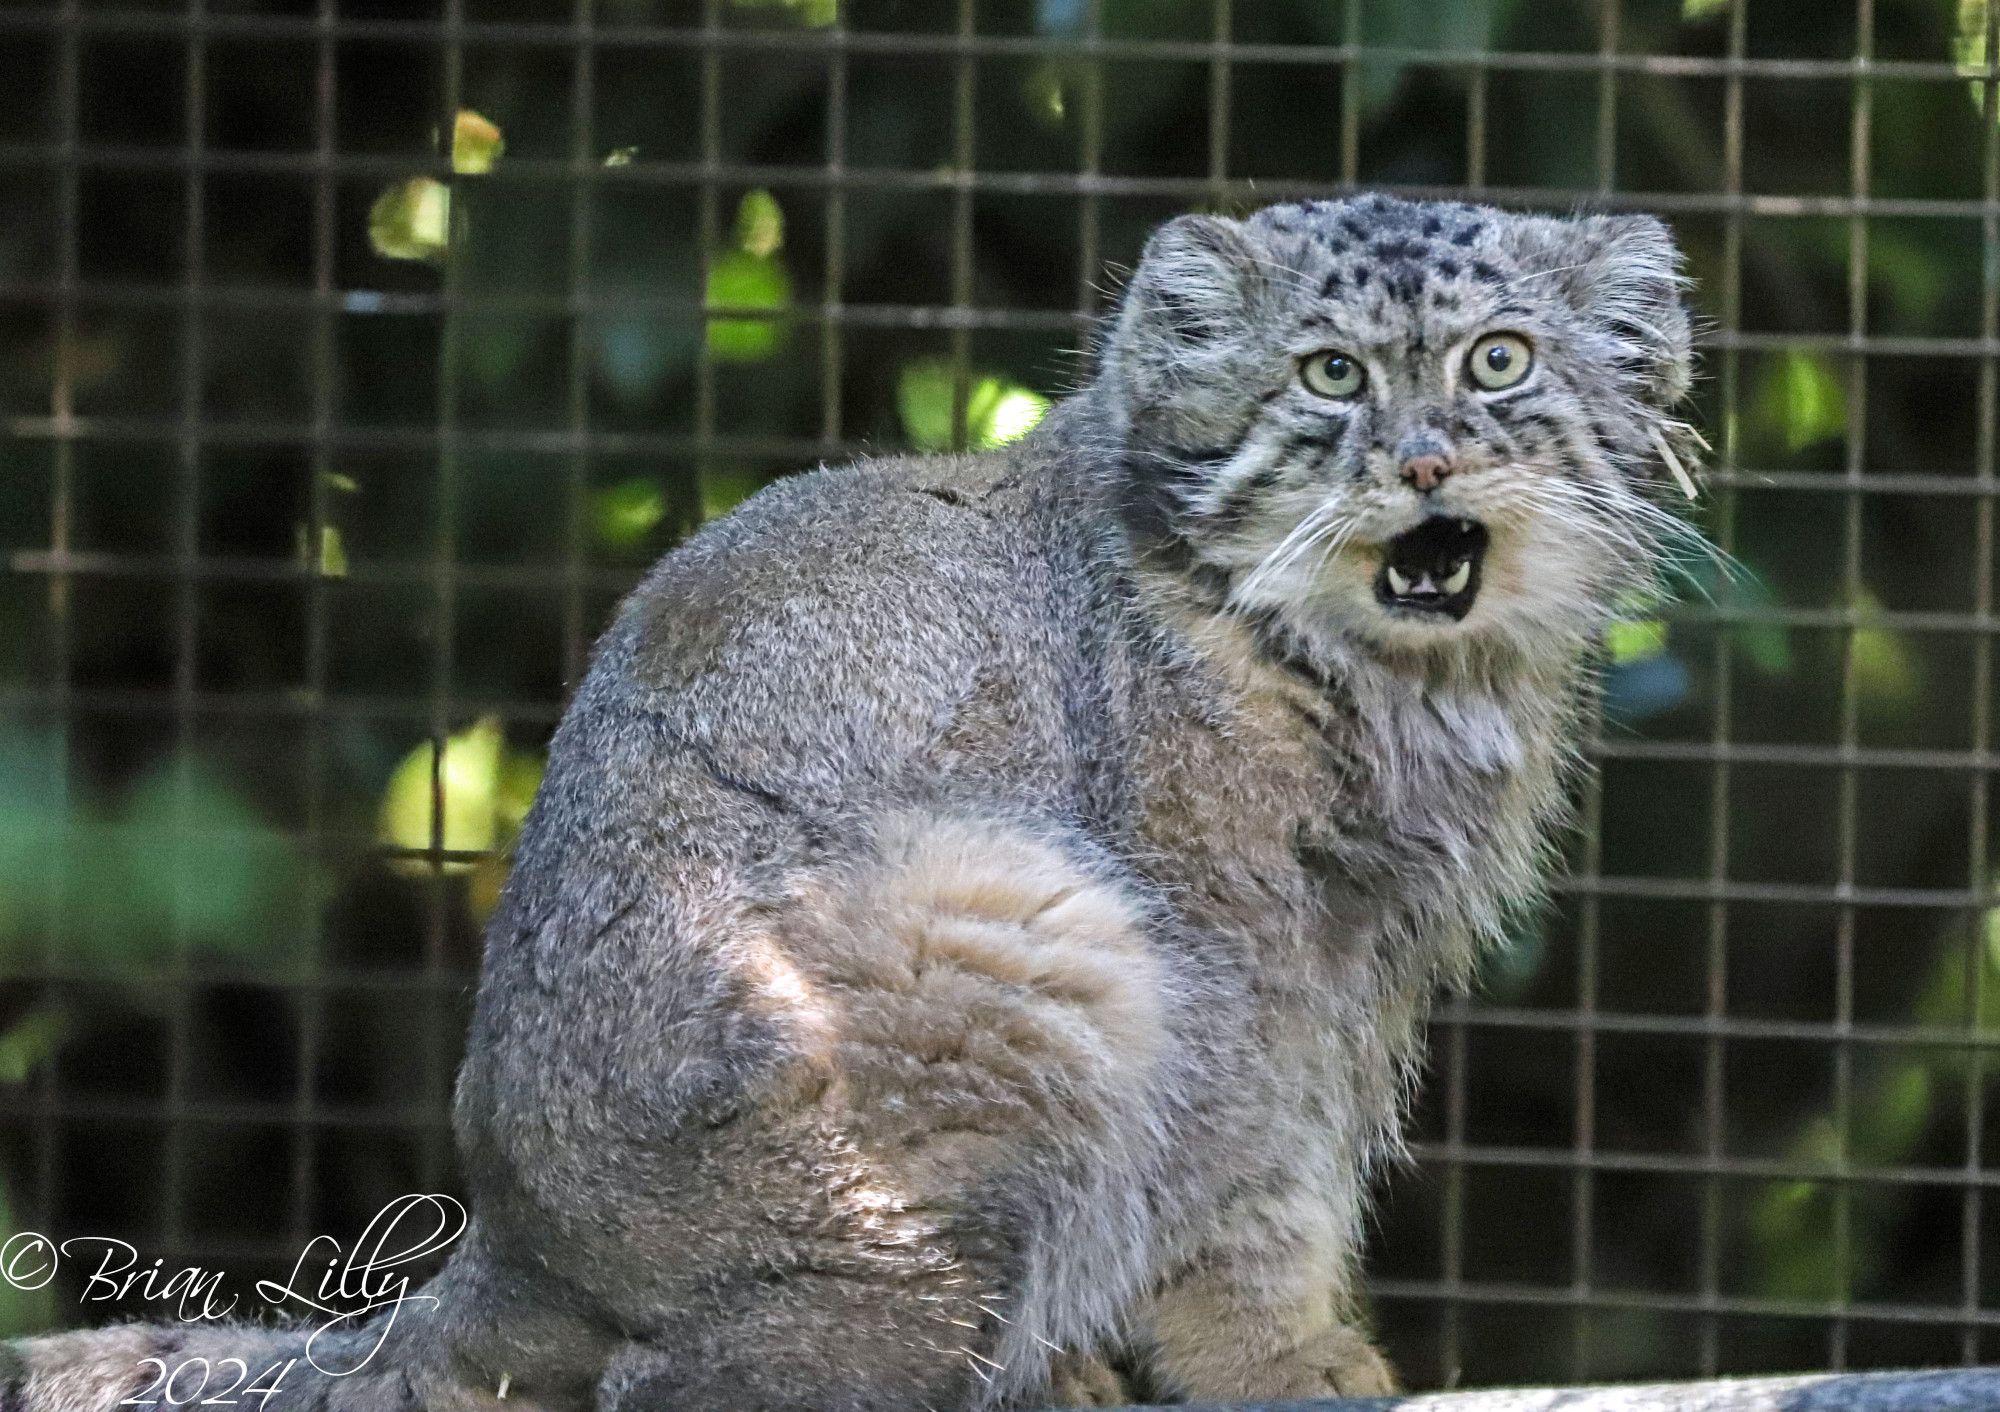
x,y
1397,261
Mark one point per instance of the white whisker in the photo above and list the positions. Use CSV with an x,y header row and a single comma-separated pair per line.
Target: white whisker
x,y
1680,472
1326,519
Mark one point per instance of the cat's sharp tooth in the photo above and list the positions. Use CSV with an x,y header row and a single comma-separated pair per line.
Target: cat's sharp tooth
x,y
1460,577
1397,583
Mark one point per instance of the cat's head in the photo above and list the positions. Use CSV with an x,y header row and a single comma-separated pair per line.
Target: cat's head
x,y
1412,426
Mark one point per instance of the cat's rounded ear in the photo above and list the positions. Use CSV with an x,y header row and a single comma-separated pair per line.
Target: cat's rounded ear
x,y
1198,283
1624,274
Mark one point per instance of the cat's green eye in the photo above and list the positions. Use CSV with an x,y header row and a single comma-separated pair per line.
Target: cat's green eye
x,y
1499,361
1333,374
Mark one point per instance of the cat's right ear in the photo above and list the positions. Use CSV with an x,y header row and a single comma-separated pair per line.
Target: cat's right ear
x,y
1198,283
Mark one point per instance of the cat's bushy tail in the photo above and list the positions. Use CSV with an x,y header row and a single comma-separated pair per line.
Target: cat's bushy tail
x,y
157,1367
475,1339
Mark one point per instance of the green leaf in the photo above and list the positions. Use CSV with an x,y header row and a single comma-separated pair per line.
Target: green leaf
x,y
476,143
997,410
749,275
923,399
331,560
197,854
738,279
1768,645
182,859
624,514
1791,1223
1886,672
30,1041
1890,1119
185,861
1635,641
486,790
722,491
1969,48
760,224
411,220
1014,413
468,787
1803,399
1045,93
1917,275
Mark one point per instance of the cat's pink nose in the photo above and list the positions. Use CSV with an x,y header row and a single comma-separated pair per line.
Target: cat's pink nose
x,y
1426,472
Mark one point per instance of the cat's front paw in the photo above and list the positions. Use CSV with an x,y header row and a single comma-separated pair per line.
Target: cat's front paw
x,y
1085,1380
1297,1365
1351,1365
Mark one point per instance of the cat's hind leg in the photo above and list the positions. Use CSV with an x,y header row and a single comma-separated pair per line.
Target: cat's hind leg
x,y
948,1178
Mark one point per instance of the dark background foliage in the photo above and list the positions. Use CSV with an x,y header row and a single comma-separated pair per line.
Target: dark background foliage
x,y
354,359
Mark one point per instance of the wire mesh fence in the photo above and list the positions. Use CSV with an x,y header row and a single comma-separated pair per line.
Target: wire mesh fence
x,y
355,355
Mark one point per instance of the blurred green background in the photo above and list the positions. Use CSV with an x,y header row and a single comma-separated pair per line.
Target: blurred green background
x,y
349,376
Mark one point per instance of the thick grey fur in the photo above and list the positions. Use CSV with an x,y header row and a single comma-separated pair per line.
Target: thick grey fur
x,y
970,946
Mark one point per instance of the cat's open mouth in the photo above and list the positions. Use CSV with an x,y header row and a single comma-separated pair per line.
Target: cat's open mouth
x,y
1433,568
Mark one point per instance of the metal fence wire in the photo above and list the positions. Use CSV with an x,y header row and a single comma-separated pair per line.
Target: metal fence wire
x,y
356,355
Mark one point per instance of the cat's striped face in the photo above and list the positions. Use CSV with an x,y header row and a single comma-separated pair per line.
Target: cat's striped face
x,y
1406,423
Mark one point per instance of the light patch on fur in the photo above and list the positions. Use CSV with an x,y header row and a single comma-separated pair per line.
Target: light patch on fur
x,y
968,978
1482,733
783,991
983,1006
993,902
976,915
